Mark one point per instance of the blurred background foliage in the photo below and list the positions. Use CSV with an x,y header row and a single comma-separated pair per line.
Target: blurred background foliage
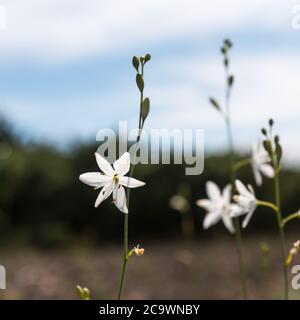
x,y
43,203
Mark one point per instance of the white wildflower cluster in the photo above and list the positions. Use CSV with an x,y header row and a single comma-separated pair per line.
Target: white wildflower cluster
x,y
220,205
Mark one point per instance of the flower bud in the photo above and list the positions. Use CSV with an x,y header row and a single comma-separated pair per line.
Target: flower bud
x,y
147,57
140,82
267,146
145,108
293,252
278,151
228,43
214,103
136,63
223,50
264,131
84,293
230,80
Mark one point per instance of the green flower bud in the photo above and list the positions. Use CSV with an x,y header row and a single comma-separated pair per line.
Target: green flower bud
x,y
84,293
215,103
147,57
140,82
136,63
264,131
268,146
278,151
230,80
228,43
145,108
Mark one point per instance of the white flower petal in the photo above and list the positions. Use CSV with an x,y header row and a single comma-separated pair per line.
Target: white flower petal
x,y
242,189
260,164
257,175
228,222
130,182
247,218
122,165
205,204
252,191
267,170
104,165
263,157
213,191
211,219
94,179
104,193
119,198
243,201
227,194
236,211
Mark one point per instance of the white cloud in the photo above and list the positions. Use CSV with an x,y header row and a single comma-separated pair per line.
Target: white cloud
x,y
266,86
62,30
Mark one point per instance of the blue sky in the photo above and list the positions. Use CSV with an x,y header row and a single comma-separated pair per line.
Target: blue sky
x,y
65,67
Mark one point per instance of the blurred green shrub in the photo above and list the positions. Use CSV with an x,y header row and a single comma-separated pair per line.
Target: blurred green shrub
x,y
43,202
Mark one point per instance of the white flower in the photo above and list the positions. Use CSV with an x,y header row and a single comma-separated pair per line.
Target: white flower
x,y
218,205
246,201
260,164
112,180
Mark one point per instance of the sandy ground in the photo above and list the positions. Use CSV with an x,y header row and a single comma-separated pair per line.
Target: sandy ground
x,y
202,269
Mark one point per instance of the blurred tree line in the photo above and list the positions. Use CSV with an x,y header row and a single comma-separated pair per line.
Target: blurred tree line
x,y
42,201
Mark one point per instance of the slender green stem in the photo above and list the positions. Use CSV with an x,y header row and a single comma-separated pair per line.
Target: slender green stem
x,y
141,102
267,204
124,267
240,164
282,237
238,234
280,225
126,257
239,246
295,215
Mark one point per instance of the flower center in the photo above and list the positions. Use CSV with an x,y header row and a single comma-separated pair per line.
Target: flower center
x,y
116,178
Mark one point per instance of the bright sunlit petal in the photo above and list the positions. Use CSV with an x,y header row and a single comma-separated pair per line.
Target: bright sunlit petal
x,y
122,165
104,165
130,182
